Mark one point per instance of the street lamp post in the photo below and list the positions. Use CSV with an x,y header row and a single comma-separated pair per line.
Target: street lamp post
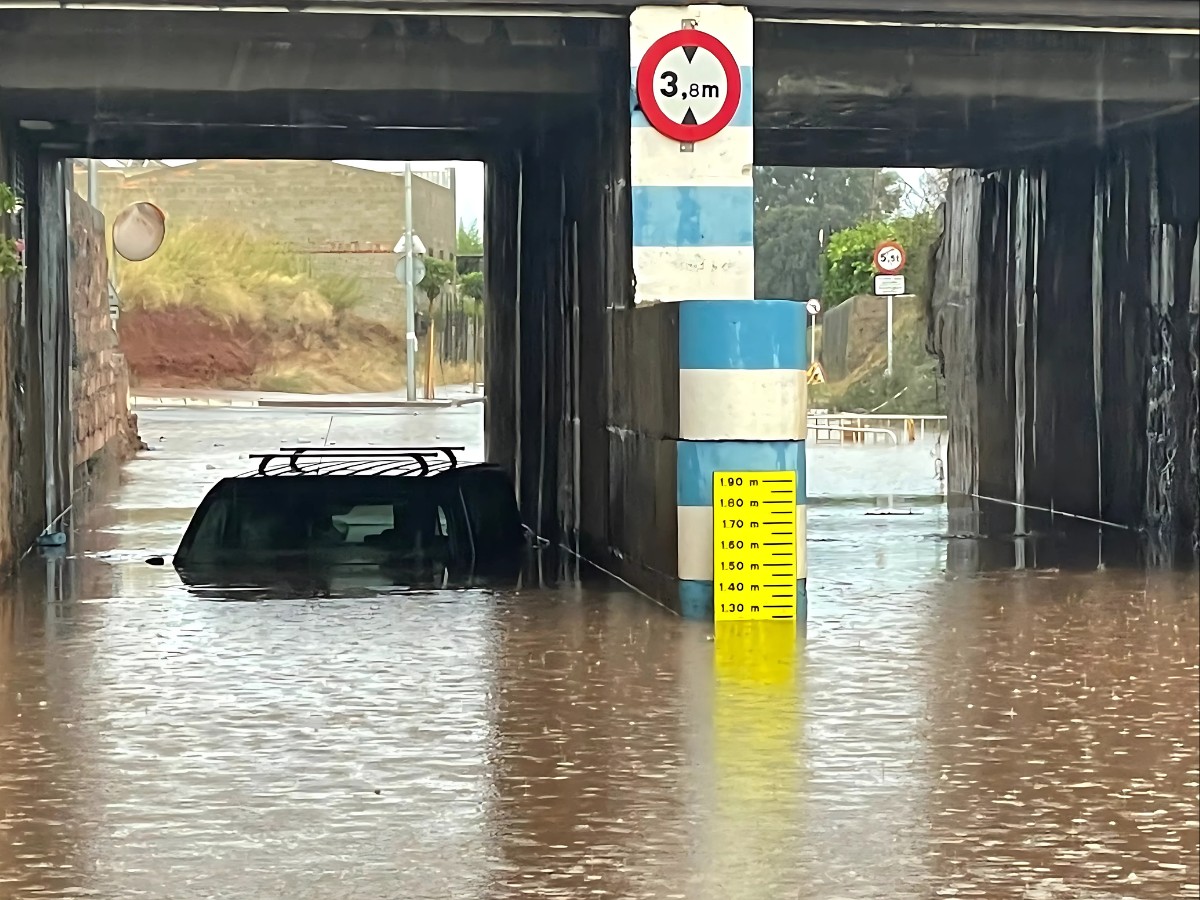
x,y
410,304
814,308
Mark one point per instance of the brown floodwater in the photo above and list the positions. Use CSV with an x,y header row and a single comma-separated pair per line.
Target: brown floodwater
x,y
940,729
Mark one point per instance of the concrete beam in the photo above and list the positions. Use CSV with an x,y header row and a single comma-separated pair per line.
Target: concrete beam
x,y
140,141
984,138
172,60
833,64
350,109
1042,13
824,95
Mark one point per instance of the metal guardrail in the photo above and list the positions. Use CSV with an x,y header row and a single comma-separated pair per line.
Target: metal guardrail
x,y
854,427
843,430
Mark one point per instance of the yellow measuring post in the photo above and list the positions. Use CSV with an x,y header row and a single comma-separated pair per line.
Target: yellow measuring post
x,y
754,545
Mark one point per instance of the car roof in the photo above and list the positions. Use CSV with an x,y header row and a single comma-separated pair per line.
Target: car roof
x,y
405,462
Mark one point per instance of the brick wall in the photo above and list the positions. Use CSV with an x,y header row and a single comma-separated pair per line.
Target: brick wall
x,y
99,376
348,218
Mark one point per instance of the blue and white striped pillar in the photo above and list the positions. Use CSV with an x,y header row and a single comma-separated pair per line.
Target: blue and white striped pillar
x,y
742,361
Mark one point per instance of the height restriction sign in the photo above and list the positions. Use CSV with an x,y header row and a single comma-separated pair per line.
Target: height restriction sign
x,y
688,85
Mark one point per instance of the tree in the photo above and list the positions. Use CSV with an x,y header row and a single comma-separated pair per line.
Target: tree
x,y
787,254
797,208
438,273
470,286
469,240
844,195
928,193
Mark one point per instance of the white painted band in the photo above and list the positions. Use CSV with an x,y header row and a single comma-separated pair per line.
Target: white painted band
x,y
672,274
724,160
743,404
696,542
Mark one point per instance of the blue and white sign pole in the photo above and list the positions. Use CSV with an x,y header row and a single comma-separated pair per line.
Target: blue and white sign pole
x,y
743,361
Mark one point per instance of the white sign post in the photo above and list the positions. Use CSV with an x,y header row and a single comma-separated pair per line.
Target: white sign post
x,y
889,260
814,309
411,246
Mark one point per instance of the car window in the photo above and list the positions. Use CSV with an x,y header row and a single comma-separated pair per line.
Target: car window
x,y
362,522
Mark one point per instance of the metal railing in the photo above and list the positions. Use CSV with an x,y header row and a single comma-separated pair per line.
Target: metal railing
x,y
844,428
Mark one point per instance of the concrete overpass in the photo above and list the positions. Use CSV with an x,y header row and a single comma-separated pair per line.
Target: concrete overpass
x,y
1064,102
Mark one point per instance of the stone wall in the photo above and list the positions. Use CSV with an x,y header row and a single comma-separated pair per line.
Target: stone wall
x,y
63,386
103,425
348,219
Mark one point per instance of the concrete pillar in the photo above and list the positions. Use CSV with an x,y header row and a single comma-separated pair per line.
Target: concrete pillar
x,y
742,385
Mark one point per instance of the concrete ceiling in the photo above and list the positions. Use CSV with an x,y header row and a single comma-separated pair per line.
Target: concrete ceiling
x,y
172,84
1108,14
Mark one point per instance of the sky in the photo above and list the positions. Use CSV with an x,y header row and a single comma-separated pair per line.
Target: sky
x,y
469,180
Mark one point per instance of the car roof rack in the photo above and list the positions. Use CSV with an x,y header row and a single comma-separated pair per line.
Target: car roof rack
x,y
401,461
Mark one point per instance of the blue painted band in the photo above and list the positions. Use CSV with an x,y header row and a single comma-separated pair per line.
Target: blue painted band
x,y
743,334
742,118
696,600
676,216
696,461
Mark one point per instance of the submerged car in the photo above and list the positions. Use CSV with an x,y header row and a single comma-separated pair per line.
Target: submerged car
x,y
410,515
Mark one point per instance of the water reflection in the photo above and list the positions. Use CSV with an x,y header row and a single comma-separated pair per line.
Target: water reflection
x,y
586,752
936,732
759,763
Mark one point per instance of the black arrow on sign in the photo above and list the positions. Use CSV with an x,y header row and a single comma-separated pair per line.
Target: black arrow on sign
x,y
690,52
689,117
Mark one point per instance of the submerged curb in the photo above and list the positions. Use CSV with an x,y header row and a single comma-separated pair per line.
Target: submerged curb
x,y
149,402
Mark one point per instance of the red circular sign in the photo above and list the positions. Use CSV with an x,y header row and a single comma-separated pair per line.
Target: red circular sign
x,y
889,258
685,92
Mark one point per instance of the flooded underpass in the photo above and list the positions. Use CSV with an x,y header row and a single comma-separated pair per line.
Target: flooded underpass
x,y
995,734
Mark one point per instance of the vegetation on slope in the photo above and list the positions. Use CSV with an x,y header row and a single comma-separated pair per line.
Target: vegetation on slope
x,y
219,307
914,387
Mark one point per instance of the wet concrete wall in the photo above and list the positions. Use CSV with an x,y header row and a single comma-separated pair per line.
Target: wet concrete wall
x,y
8,301
23,433
1065,310
582,387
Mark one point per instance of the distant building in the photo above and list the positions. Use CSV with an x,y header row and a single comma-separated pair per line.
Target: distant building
x,y
348,218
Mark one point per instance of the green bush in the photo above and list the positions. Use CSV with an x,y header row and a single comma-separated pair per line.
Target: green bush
x,y
12,250
236,276
470,288
914,377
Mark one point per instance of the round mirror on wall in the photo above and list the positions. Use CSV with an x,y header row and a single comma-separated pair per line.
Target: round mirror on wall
x,y
138,231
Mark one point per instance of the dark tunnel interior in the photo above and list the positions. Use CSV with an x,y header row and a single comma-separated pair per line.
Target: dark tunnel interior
x,y
574,372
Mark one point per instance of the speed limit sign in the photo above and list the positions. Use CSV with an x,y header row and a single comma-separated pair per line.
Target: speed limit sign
x,y
889,258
